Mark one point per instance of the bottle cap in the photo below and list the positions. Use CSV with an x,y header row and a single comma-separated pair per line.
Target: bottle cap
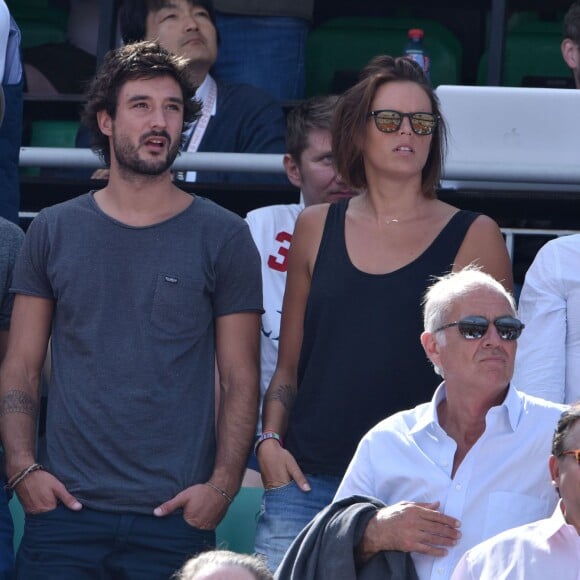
x,y
416,33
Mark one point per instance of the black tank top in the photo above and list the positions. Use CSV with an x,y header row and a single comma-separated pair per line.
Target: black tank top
x,y
361,357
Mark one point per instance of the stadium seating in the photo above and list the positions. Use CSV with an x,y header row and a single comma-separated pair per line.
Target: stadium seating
x,y
345,45
532,53
237,531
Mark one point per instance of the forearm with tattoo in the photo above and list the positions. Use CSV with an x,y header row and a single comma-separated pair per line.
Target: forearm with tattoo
x,y
285,394
15,401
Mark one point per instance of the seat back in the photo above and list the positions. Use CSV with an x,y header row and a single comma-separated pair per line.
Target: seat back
x,y
54,133
237,531
532,54
51,133
17,519
346,45
39,21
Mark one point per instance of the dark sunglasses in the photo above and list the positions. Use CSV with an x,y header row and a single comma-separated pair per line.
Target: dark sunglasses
x,y
475,327
389,121
574,452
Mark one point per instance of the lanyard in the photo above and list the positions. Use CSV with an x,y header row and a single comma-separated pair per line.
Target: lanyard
x,y
199,129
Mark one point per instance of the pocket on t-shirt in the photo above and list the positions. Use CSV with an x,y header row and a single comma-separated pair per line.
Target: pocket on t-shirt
x,y
180,305
508,510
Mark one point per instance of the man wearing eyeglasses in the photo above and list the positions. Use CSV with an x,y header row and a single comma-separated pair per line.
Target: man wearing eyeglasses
x,y
548,547
470,463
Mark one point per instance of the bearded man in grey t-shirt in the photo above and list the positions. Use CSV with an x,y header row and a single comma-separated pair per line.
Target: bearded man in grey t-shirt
x,y
141,288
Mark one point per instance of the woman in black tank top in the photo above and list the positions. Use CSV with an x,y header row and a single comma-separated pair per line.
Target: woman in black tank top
x,y
350,353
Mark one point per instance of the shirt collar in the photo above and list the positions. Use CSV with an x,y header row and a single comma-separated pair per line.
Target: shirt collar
x,y
557,523
512,405
429,415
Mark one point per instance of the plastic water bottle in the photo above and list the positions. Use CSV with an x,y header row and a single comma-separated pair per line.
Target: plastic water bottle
x,y
415,49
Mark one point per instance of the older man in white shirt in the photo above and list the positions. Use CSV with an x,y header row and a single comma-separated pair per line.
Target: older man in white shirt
x,y
471,463
546,548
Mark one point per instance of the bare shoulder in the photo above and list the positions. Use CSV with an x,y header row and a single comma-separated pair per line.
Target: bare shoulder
x,y
309,225
483,225
307,237
313,216
485,246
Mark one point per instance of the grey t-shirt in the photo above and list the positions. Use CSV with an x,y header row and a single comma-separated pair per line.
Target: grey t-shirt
x,y
130,419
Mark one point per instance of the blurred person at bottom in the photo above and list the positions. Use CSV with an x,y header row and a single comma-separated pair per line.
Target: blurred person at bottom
x,y
224,565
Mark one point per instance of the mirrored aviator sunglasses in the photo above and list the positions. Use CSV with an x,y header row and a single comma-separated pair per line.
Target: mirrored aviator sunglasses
x,y
475,327
389,121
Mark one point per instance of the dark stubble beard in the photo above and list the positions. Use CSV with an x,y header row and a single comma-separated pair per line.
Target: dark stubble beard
x,y
128,159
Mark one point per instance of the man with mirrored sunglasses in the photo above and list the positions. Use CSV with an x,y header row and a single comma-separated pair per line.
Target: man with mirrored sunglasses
x,y
548,547
475,327
470,463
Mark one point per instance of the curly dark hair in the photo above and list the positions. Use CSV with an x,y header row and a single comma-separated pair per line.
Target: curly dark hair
x,y
141,60
351,119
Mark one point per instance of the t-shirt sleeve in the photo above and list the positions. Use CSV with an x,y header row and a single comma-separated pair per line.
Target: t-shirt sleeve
x,y
238,276
30,275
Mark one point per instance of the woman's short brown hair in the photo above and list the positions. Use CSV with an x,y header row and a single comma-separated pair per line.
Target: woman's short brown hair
x,y
351,119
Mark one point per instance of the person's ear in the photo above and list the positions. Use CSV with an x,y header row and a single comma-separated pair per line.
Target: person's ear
x,y
554,466
431,347
292,171
570,53
105,122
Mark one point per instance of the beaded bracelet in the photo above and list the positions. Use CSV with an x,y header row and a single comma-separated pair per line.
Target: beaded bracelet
x,y
16,479
264,437
220,491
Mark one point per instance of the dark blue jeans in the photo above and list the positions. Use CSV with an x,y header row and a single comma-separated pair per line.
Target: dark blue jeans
x,y
265,51
100,545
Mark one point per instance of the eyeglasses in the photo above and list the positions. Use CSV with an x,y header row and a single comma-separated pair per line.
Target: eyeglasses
x,y
389,121
475,327
574,452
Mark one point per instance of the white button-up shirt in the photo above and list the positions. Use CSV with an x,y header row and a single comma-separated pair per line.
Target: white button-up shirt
x,y
502,482
548,548
548,355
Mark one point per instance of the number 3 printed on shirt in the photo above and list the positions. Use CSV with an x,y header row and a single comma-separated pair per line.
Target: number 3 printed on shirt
x,y
279,262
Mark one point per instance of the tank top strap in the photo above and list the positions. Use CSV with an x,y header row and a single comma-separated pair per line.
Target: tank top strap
x,y
453,234
332,243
